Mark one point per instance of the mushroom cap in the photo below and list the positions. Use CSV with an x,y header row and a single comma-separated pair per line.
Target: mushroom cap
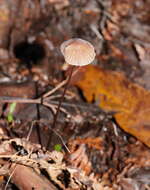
x,y
78,52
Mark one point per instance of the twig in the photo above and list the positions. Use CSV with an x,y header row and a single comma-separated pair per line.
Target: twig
x,y
9,178
5,99
95,30
55,89
47,94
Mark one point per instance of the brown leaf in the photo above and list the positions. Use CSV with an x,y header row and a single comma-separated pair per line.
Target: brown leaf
x,y
112,91
26,178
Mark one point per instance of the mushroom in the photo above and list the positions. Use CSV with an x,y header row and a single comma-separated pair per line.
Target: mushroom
x,y
76,52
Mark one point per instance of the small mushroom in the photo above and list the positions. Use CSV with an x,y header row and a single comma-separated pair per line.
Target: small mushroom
x,y
78,52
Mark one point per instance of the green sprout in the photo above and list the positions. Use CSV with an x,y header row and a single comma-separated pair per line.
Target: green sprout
x,y
58,147
10,117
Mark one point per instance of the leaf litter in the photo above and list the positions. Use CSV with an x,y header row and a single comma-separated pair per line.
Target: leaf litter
x,y
103,156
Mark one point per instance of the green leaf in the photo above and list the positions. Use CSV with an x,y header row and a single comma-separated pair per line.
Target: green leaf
x,y
58,147
10,118
12,107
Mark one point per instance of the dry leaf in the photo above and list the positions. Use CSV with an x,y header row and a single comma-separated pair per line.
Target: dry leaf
x,y
112,91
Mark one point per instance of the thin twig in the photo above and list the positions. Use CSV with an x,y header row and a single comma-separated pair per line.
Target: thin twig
x,y
55,89
47,94
95,30
61,140
5,99
9,178
30,131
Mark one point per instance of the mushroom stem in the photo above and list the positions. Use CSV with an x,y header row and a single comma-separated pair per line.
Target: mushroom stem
x,y
59,105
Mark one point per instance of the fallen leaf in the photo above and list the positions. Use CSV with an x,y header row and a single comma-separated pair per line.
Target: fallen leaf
x,y
95,143
112,91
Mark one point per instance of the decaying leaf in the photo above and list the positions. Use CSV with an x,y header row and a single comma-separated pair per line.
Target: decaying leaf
x,y
25,169
112,91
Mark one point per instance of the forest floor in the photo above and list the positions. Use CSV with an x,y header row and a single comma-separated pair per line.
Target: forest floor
x,y
101,140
